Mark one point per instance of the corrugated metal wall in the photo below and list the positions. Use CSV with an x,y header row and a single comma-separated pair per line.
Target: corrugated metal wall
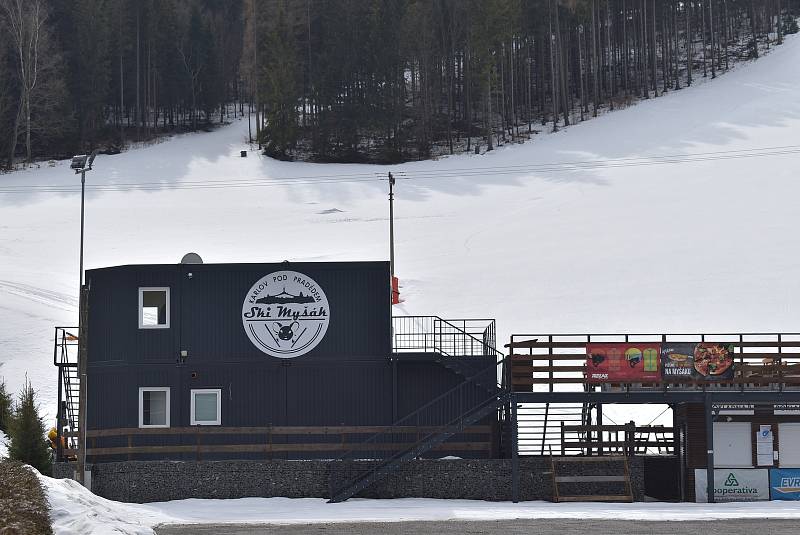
x,y
346,380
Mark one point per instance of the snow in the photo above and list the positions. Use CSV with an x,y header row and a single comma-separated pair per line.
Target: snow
x,y
3,445
76,511
701,246
690,247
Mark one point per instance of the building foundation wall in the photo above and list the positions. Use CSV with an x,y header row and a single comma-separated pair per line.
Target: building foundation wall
x,y
154,481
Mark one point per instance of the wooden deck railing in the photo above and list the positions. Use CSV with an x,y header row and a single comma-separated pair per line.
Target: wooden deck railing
x,y
760,360
274,440
628,439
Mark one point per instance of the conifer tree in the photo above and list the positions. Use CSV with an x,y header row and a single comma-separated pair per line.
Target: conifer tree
x,y
27,433
279,90
5,407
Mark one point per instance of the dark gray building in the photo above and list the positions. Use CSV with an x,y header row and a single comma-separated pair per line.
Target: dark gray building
x,y
283,361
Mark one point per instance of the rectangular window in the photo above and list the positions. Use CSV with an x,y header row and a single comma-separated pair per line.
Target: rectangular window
x,y
154,407
153,308
206,405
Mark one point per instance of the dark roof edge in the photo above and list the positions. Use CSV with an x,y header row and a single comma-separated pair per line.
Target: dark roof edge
x,y
332,264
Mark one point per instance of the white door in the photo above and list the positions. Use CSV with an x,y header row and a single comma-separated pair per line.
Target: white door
x,y
789,445
733,445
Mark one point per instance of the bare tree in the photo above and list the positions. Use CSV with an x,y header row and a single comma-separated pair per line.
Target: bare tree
x,y
193,68
25,22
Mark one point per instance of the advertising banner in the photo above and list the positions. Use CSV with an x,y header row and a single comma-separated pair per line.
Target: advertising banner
x,y
623,363
704,361
784,484
733,485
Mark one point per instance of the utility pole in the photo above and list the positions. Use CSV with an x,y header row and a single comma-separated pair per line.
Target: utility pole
x,y
391,224
81,164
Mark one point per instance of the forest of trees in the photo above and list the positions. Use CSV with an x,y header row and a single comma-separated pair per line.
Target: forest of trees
x,y
82,74
352,80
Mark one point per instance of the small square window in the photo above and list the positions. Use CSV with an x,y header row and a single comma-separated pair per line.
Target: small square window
x,y
154,407
153,308
206,405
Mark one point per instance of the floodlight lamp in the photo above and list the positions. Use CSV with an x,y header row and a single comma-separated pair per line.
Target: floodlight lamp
x,y
78,162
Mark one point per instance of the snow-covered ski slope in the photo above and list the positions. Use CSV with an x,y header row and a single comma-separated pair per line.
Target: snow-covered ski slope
x,y
705,246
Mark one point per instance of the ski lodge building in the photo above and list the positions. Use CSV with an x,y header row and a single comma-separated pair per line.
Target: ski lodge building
x,y
294,379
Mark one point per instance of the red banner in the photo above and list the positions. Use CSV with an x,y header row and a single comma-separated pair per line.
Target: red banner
x,y
623,363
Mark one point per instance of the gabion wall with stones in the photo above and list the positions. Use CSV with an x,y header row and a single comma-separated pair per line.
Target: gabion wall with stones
x,y
151,481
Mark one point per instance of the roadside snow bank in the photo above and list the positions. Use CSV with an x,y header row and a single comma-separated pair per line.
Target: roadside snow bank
x,y
314,510
3,445
75,511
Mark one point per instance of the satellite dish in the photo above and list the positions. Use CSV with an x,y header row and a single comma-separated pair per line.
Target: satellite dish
x,y
191,258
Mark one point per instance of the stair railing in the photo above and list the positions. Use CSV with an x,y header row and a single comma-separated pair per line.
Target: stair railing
x,y
67,410
432,334
418,432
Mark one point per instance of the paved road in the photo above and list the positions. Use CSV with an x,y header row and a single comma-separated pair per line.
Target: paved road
x,y
503,527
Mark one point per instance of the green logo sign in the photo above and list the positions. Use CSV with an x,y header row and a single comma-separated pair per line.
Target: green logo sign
x,y
731,481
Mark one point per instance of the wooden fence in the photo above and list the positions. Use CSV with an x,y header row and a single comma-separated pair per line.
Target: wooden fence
x,y
276,440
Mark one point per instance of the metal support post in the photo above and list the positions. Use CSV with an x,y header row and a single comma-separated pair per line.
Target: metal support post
x,y
514,452
59,419
600,430
83,305
709,413
394,389
391,224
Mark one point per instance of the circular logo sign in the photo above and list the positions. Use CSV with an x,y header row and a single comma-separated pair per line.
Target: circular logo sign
x,y
285,314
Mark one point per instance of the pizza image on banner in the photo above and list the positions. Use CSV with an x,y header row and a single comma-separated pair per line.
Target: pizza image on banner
x,y
623,363
697,361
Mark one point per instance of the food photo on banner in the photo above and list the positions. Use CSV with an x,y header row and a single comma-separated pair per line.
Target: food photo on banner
x,y
784,484
623,363
704,361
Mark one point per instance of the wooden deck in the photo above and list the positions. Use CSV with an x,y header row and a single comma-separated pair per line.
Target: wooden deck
x,y
558,362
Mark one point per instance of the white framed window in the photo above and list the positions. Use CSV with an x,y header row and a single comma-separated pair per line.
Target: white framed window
x,y
206,406
154,308
153,406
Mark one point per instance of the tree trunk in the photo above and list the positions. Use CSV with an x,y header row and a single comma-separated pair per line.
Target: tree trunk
x,y
711,33
753,27
594,58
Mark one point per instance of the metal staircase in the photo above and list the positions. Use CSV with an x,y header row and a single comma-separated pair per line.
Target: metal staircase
x,y
438,420
376,471
65,357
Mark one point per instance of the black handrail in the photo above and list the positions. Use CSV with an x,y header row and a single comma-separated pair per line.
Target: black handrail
x,y
438,335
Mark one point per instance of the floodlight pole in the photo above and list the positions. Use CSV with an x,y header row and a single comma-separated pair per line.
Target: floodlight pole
x,y
85,165
391,225
83,193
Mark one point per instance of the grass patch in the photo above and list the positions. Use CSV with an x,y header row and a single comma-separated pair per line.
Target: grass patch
x,y
23,505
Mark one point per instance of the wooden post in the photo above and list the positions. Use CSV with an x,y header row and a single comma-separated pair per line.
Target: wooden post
x,y
83,338
197,443
630,439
